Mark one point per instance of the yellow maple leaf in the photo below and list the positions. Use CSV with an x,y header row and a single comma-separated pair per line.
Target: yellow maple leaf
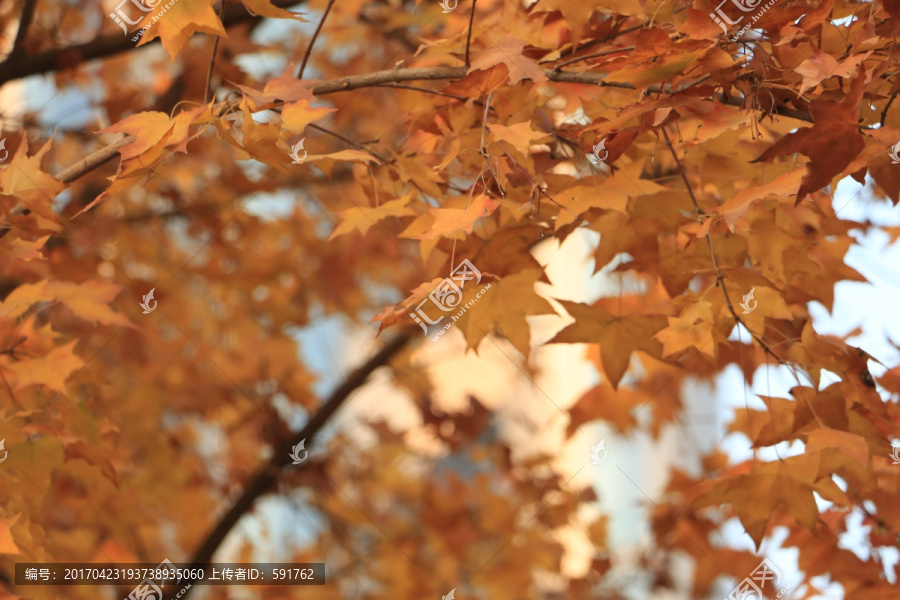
x,y
177,20
618,336
450,221
361,219
51,370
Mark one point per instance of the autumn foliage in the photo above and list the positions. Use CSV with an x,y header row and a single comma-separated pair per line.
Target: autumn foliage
x,y
429,137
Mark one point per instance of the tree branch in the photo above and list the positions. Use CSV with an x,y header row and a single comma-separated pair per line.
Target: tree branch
x,y
109,45
392,76
212,59
268,474
24,23
313,40
469,34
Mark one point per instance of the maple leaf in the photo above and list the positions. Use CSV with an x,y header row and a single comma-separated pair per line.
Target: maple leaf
x,y
51,370
361,219
503,307
25,180
479,82
617,336
297,115
449,222
834,126
520,135
509,52
180,21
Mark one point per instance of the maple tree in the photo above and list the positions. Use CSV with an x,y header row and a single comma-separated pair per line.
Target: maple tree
x,y
433,135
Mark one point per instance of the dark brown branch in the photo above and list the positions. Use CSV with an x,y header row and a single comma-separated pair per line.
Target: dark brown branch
x,y
24,23
888,106
212,59
469,34
108,45
313,40
268,474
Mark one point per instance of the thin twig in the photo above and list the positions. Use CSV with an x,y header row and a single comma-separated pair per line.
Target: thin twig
x,y
469,34
267,475
700,211
212,59
887,106
720,277
487,104
313,40
347,141
594,55
428,91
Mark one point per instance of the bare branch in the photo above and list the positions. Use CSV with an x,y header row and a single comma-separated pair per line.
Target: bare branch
x,y
469,34
313,40
268,474
24,23
212,59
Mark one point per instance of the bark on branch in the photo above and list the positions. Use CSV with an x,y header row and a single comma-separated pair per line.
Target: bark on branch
x,y
268,474
101,47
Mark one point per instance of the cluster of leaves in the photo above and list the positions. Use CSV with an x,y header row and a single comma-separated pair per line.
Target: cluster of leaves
x,y
434,137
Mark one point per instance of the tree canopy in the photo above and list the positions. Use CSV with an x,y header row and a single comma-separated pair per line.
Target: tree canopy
x,y
235,173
